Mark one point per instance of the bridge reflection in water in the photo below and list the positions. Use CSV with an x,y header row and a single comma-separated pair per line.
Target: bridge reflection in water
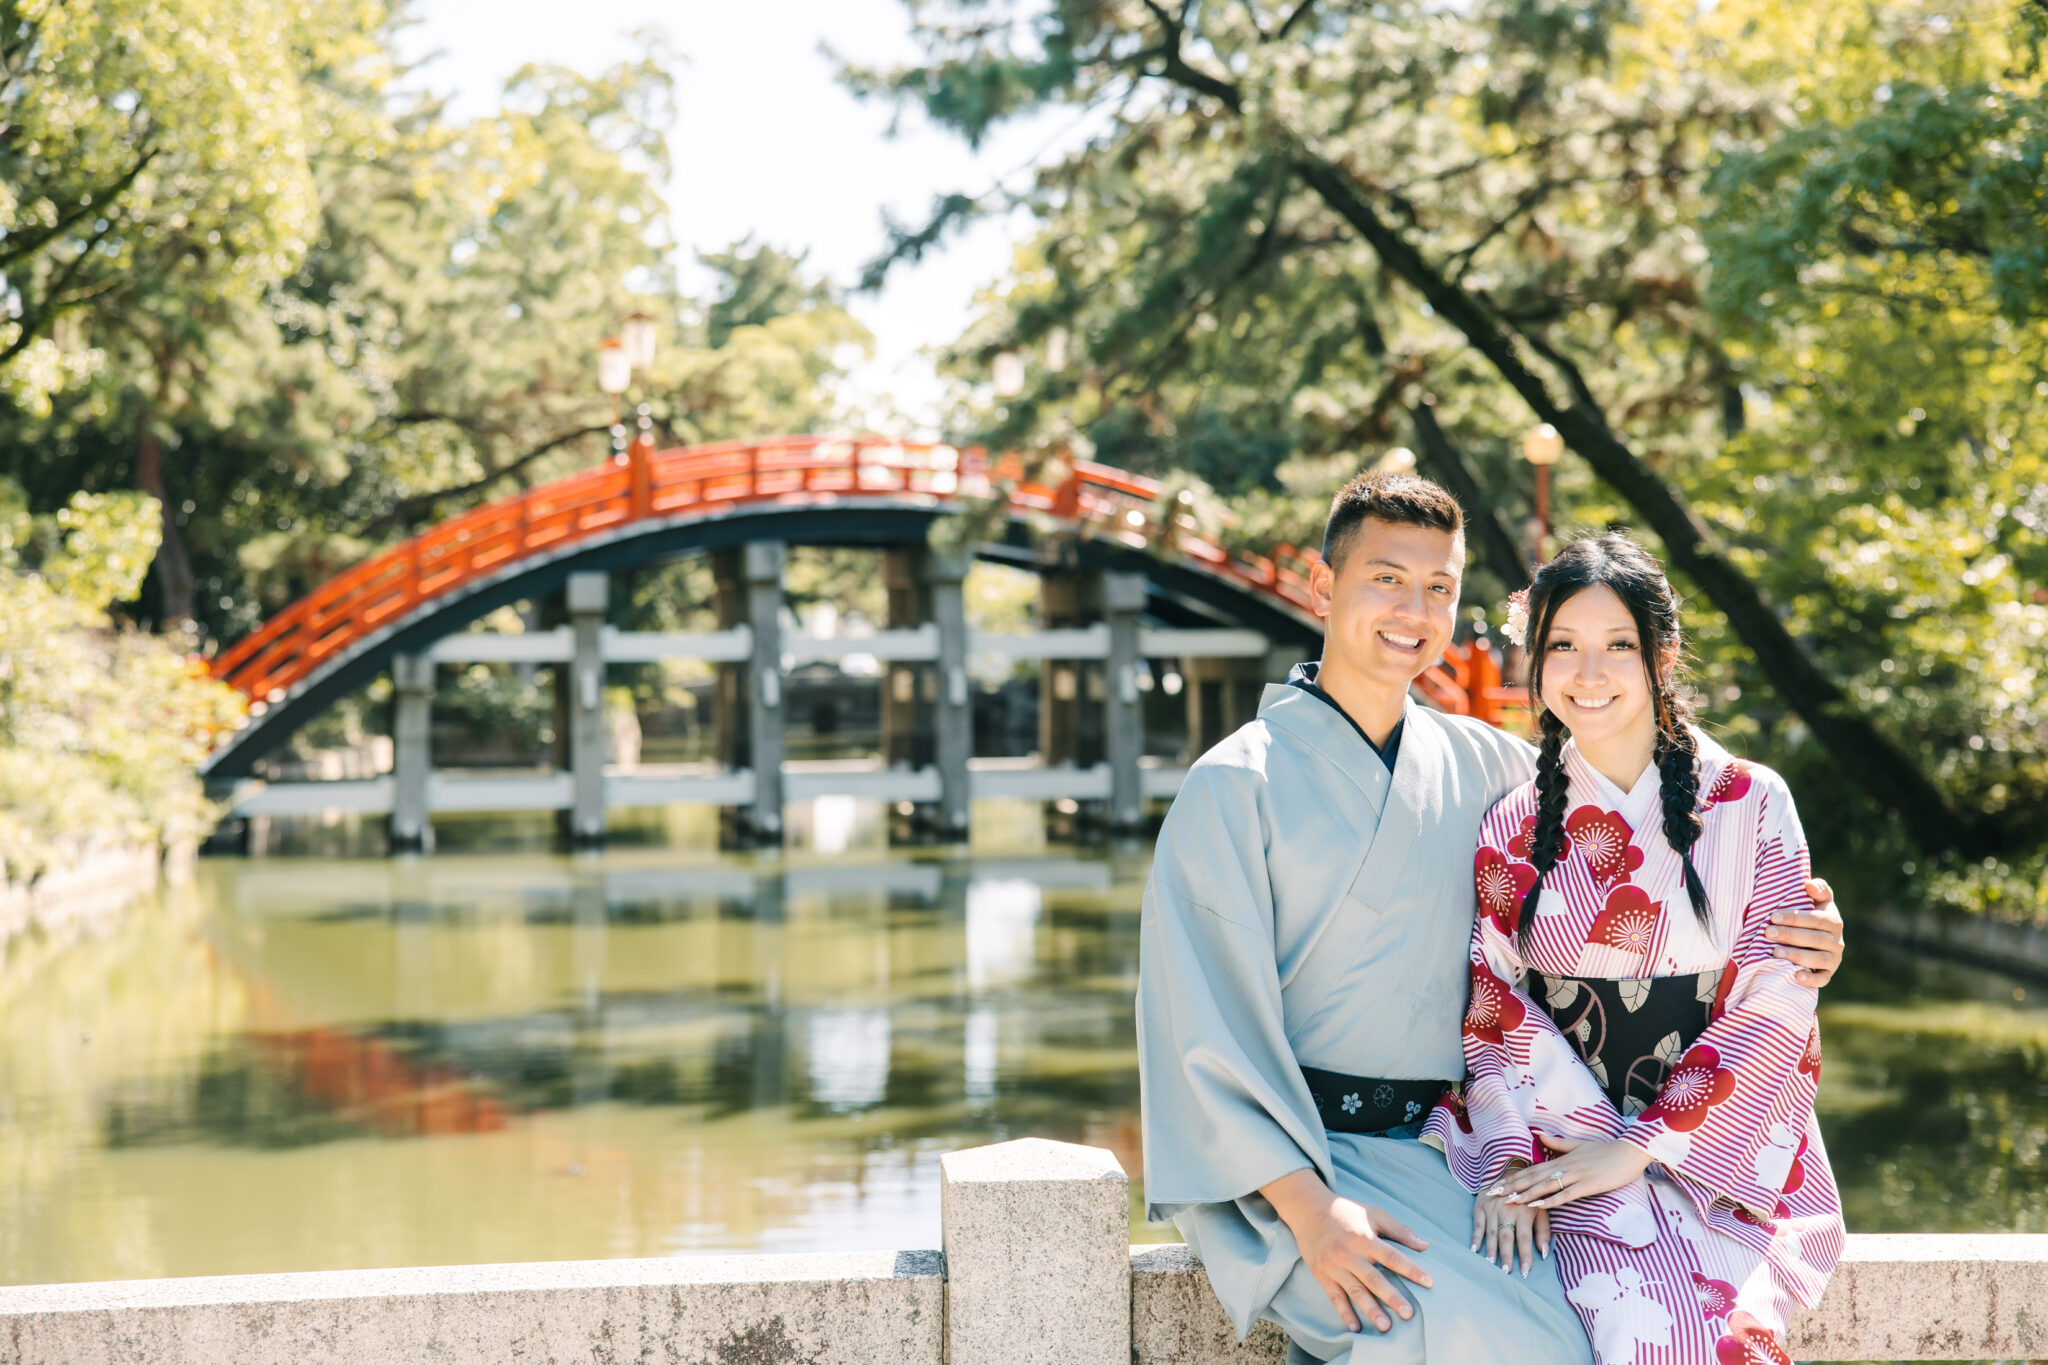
x,y
1126,582
299,1063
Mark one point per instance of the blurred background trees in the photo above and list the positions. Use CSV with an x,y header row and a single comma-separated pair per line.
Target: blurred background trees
x,y
290,297
1774,272
1777,273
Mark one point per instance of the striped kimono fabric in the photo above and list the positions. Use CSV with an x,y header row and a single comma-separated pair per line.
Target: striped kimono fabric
x,y
1700,1261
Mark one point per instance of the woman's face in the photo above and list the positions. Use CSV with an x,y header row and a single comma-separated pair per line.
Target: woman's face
x,y
1594,674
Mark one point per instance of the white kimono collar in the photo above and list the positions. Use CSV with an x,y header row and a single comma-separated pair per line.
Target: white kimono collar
x,y
1642,805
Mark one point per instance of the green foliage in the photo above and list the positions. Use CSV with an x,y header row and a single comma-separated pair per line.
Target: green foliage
x,y
255,275
148,140
431,341
1792,254
101,728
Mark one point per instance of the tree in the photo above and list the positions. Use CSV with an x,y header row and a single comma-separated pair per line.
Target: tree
x,y
434,344
101,730
1287,192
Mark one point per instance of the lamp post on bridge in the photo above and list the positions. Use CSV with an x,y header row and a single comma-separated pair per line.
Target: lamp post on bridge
x,y
1542,447
617,359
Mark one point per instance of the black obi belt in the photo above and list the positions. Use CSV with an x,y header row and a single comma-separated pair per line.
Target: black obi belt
x,y
1366,1104
1629,1031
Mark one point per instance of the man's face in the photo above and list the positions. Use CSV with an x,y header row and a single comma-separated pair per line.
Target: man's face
x,y
1389,607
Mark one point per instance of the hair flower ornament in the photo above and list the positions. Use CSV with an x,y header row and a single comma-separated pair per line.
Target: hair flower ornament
x,y
1516,627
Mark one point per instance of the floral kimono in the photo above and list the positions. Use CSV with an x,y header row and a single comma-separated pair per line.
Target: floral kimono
x,y
1621,1017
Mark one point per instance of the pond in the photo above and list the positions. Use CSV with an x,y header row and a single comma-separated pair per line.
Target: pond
x,y
309,1062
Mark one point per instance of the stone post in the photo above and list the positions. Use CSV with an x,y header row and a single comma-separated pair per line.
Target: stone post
x,y
1038,1267
412,753
749,591
947,572
1123,601
587,594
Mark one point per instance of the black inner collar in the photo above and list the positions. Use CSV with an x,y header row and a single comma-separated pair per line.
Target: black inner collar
x,y
1303,676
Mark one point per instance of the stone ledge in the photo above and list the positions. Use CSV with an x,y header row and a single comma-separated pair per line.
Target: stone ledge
x,y
844,1309
1962,1297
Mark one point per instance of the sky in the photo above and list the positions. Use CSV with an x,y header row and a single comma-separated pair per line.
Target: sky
x,y
768,144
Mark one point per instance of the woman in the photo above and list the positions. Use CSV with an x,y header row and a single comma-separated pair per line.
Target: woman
x,y
1642,1068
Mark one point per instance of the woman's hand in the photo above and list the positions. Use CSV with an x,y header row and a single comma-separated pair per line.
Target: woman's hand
x,y
1501,1228
1810,939
1587,1168
1344,1244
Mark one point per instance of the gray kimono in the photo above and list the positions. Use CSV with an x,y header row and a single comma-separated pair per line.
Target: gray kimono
x,y
1307,908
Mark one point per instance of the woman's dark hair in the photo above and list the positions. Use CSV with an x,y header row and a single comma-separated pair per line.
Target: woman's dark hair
x,y
1635,576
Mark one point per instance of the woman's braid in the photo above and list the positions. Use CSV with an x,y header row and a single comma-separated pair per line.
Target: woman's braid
x,y
1546,845
1678,774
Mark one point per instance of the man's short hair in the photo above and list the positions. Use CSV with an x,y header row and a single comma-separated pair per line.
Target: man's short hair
x,y
1401,499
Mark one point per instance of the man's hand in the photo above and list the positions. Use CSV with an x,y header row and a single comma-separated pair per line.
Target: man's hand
x,y
1501,1228
1587,1168
1811,938
1345,1245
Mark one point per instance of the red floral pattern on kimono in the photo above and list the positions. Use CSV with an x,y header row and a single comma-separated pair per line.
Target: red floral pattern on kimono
x,y
1502,883
1666,1268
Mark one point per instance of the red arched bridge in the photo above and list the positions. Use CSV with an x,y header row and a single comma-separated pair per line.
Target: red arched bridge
x,y
1110,549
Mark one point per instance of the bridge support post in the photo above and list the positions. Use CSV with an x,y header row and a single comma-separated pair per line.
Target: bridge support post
x,y
412,753
1222,695
1123,601
927,708
749,592
1071,692
909,690
948,572
587,595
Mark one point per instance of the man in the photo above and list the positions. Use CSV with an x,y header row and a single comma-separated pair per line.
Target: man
x,y
1302,978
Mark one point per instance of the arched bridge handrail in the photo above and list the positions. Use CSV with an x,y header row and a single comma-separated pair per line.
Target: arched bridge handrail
x,y
704,480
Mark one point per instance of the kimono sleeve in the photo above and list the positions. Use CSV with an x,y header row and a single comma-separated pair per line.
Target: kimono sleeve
x,y
1489,1127
1225,1109
1723,1114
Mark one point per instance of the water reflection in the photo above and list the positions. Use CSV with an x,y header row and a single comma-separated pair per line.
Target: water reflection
x,y
305,1063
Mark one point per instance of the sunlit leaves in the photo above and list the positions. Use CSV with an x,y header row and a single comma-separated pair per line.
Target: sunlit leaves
x,y
101,729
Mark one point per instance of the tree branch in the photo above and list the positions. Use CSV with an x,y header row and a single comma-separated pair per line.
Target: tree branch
x,y
405,510
1865,754
1176,68
16,247
1287,26
1496,542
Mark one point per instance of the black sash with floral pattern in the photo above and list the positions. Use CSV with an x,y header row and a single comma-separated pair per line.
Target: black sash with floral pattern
x,y
1368,1104
1629,1031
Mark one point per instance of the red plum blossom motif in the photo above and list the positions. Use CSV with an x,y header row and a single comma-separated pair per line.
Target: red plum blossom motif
x,y
1717,1297
1629,921
1523,845
1749,1342
1456,1106
1696,1084
1743,1215
1732,785
1494,1011
1809,1062
1502,886
1603,838
1793,1179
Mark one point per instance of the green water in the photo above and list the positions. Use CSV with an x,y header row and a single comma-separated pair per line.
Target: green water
x,y
296,1063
